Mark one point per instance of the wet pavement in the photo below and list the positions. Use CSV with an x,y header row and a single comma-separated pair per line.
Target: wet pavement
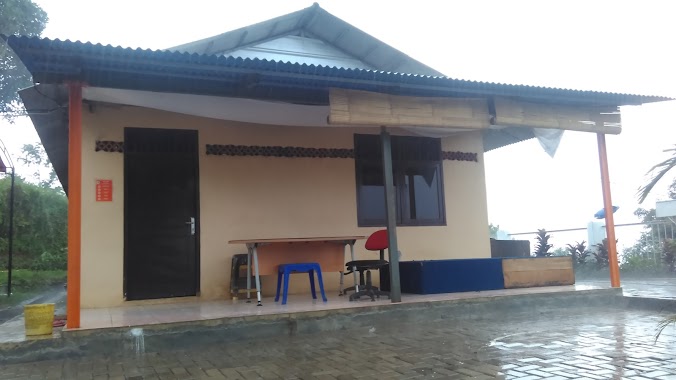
x,y
573,343
648,287
54,294
12,319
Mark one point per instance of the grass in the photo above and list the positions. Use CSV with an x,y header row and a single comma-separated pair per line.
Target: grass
x,y
16,298
27,283
26,279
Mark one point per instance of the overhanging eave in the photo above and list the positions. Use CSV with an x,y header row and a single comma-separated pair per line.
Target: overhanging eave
x,y
47,107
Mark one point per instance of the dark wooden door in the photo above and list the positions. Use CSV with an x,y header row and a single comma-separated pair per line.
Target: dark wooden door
x,y
161,213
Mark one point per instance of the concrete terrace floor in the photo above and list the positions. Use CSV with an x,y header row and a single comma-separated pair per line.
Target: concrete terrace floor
x,y
192,309
574,343
12,330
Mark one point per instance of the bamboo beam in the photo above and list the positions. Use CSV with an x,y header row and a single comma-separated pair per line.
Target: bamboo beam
x,y
350,107
515,113
74,204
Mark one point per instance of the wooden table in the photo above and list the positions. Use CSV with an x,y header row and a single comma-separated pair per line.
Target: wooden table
x,y
268,254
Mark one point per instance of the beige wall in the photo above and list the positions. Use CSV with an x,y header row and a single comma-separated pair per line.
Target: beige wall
x,y
253,197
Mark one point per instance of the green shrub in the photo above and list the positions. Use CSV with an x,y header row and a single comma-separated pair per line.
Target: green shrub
x,y
542,245
48,261
639,263
40,224
601,254
579,253
669,254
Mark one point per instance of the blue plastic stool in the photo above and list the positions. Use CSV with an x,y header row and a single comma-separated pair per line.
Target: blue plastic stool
x,y
286,269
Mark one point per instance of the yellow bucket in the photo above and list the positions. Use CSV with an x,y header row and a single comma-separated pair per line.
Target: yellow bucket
x,y
39,318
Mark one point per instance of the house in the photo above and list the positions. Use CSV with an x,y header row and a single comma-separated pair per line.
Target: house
x,y
272,130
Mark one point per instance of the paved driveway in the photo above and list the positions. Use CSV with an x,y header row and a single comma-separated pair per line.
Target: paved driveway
x,y
572,344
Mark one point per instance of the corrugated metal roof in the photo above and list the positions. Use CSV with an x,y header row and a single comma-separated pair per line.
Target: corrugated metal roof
x,y
313,22
56,61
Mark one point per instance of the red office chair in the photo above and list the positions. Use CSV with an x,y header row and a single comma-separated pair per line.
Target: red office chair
x,y
376,242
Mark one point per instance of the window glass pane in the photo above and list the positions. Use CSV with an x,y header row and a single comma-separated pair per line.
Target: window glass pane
x,y
416,172
372,193
425,203
367,147
409,148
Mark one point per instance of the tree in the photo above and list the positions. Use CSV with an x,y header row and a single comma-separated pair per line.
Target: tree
x,y
647,248
16,17
40,228
493,230
658,172
35,157
669,254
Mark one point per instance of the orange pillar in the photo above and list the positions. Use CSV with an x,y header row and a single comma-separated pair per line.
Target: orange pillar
x,y
608,208
74,203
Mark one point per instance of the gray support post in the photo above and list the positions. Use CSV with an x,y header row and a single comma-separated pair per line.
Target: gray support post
x,y
391,213
11,236
258,275
249,270
354,269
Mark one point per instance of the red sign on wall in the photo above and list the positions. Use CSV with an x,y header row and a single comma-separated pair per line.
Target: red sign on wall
x,y
104,190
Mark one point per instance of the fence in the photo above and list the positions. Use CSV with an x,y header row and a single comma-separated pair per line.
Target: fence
x,y
633,239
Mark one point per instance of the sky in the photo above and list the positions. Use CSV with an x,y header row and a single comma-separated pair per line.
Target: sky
x,y
614,46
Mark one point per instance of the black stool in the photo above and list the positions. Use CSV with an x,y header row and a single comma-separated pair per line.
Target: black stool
x,y
237,279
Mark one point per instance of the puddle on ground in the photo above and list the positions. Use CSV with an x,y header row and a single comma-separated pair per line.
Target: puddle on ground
x,y
138,346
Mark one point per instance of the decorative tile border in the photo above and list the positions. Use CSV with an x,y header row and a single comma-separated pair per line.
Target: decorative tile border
x,y
278,151
110,146
281,151
460,156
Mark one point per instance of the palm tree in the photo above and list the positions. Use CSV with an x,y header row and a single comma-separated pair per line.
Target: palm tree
x,y
659,170
663,325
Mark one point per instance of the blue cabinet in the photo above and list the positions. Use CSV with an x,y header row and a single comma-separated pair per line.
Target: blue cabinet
x,y
449,276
